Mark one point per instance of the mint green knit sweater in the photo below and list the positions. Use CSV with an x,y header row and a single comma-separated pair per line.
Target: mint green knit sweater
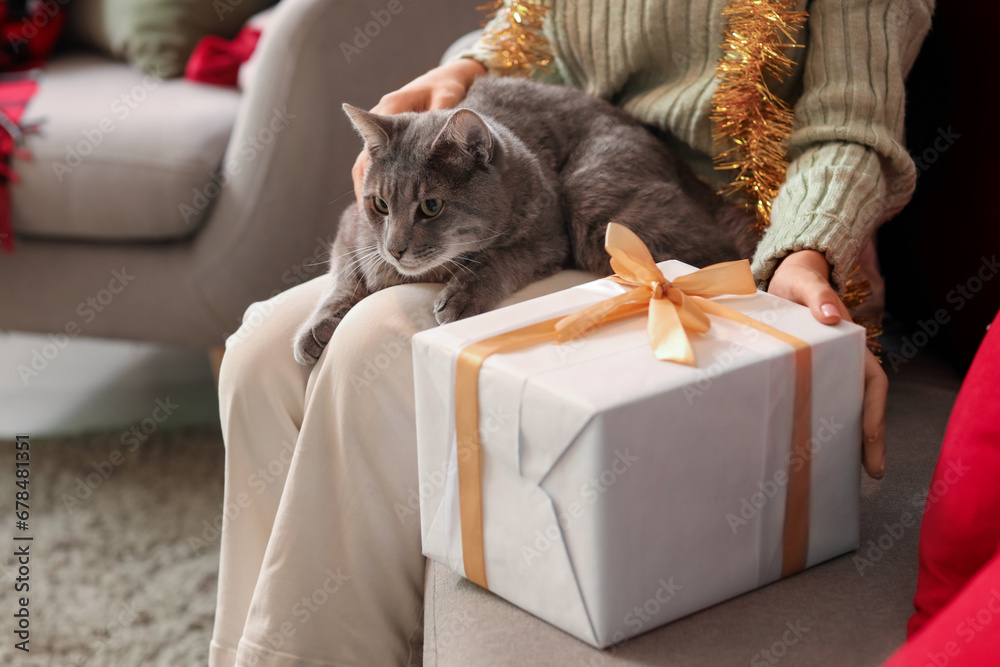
x,y
848,168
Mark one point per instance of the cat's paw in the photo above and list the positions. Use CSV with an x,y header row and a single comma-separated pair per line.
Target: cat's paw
x,y
455,302
311,340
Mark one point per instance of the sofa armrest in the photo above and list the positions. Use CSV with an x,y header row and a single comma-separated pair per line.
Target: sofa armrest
x,y
286,174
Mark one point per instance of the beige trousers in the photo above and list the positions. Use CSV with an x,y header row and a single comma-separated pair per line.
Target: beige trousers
x,y
317,567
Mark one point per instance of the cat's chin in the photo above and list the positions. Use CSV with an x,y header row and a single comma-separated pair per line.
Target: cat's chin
x,y
410,273
414,271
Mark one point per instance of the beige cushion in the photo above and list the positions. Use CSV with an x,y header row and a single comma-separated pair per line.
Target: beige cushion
x,y
156,35
121,153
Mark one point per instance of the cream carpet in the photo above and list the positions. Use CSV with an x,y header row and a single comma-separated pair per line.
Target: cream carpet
x,y
124,560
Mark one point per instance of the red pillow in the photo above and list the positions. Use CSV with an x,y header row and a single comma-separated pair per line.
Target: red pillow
x,y
965,633
960,532
217,61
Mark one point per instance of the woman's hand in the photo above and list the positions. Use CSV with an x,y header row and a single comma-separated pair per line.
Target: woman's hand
x,y
441,88
804,277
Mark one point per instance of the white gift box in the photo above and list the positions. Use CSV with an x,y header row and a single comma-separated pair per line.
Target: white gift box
x,y
621,492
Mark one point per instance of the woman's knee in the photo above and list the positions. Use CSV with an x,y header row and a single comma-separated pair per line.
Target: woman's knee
x,y
260,351
374,337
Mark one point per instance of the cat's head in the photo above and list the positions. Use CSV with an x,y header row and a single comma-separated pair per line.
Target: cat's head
x,y
432,192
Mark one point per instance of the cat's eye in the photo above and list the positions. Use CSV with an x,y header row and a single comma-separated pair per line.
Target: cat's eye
x,y
380,205
431,207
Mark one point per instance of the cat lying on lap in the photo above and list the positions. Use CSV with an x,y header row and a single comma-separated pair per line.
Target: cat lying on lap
x,y
517,184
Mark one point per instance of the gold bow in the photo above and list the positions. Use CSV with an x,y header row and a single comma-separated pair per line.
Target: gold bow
x,y
674,306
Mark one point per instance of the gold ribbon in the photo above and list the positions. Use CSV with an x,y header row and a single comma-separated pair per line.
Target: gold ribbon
x,y
675,309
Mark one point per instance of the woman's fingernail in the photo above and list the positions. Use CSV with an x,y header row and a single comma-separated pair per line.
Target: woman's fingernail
x,y
829,310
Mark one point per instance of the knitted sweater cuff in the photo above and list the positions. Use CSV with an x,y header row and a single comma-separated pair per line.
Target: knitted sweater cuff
x,y
832,200
479,53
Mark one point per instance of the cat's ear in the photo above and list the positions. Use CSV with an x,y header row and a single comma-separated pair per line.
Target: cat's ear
x,y
468,132
374,129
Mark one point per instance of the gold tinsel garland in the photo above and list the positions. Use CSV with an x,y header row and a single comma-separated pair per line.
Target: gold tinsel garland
x,y
514,33
857,290
751,123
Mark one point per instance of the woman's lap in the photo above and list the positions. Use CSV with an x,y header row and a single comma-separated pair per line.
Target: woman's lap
x,y
326,519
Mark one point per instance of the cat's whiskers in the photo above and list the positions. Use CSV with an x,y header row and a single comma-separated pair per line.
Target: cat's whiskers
x,y
461,266
355,262
372,262
359,261
354,251
445,267
488,238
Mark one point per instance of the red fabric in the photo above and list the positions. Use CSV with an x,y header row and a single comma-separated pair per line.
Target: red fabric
x,y
27,37
27,41
14,97
965,633
961,525
217,61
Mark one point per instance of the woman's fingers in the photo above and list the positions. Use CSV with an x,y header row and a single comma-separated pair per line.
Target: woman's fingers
x,y
447,95
803,277
873,422
358,174
408,98
815,292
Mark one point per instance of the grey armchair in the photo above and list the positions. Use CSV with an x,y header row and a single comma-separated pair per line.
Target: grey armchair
x,y
159,210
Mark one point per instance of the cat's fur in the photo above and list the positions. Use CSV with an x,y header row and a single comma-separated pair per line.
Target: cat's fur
x,y
530,175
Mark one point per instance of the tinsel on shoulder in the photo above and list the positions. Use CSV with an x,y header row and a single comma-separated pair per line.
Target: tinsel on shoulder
x,y
513,32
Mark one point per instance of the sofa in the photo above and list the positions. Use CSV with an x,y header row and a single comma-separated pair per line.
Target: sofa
x,y
159,209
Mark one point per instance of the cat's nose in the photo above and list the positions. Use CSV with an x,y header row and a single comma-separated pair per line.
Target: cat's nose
x,y
398,254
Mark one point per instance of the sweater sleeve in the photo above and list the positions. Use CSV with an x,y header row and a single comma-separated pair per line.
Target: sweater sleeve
x,y
478,50
488,57
848,170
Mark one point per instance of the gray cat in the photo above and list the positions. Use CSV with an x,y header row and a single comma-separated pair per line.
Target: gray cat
x,y
516,184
